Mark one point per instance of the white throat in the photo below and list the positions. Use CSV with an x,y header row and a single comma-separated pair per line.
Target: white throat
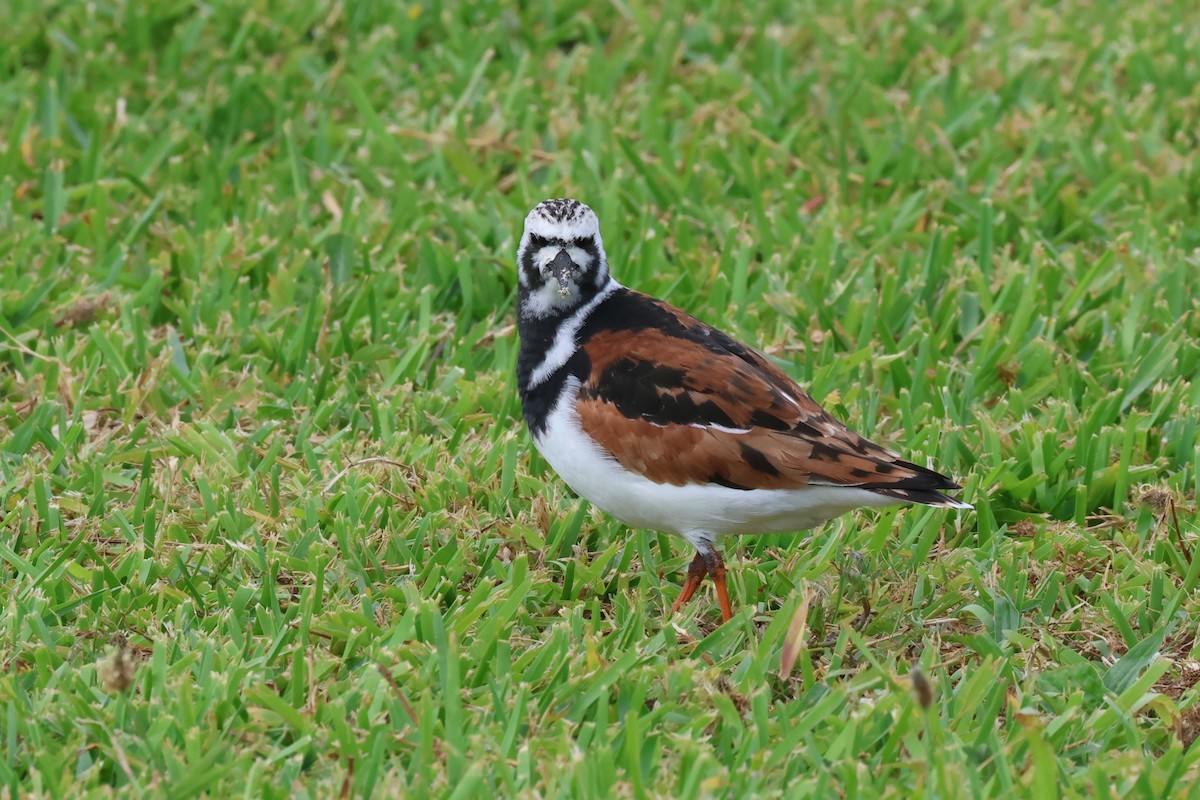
x,y
564,345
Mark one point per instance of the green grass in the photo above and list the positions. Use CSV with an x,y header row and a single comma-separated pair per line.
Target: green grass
x,y
258,420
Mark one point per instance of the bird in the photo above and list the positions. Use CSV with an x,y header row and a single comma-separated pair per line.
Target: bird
x,y
667,423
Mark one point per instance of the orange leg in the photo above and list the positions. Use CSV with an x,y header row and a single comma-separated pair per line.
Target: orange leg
x,y
709,563
695,576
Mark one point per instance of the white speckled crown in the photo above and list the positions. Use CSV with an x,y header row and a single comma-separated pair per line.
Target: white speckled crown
x,y
562,219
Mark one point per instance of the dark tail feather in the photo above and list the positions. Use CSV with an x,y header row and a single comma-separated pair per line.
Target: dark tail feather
x,y
922,488
926,497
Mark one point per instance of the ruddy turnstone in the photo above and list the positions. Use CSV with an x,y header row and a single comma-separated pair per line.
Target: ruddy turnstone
x,y
669,424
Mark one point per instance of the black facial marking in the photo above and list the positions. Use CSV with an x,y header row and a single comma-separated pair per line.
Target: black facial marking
x,y
588,245
589,273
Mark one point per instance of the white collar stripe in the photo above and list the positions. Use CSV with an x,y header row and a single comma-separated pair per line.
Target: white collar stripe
x,y
564,346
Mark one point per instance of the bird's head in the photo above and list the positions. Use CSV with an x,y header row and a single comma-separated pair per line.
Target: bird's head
x,y
560,261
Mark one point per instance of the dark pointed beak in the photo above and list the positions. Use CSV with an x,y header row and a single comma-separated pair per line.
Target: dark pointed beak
x,y
561,268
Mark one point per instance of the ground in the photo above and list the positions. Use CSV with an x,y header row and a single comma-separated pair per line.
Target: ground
x,y
270,524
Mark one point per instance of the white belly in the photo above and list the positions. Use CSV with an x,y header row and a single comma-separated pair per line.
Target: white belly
x,y
697,512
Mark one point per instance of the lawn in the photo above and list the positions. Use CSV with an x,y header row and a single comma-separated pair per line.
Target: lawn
x,y
271,525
